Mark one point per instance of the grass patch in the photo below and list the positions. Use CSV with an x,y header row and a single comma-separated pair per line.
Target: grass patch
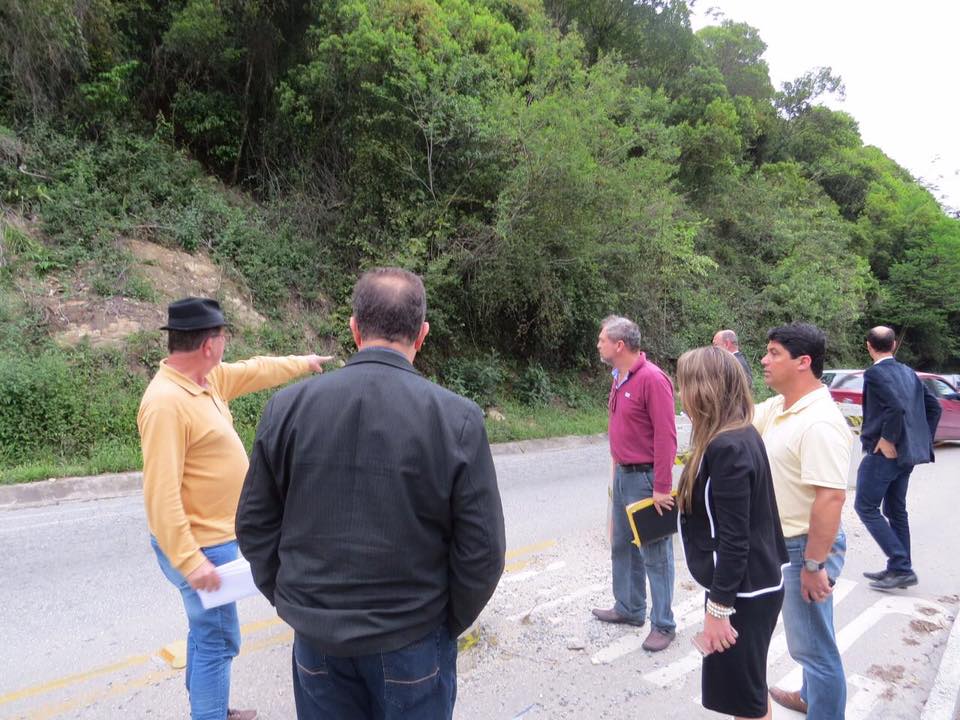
x,y
108,457
522,422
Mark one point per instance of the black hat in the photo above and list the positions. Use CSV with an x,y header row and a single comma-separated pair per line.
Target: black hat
x,y
194,314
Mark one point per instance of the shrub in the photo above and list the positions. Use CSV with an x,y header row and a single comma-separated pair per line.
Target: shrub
x,y
476,378
65,403
533,387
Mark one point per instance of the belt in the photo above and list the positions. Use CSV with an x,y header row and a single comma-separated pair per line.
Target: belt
x,y
638,467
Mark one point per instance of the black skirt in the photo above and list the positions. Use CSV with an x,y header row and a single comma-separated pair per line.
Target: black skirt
x,y
734,682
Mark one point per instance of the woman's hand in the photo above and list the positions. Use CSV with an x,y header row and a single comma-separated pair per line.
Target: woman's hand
x,y
719,635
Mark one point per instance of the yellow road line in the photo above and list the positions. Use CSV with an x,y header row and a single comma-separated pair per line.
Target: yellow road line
x,y
530,549
43,688
246,629
518,565
52,711
266,642
71,679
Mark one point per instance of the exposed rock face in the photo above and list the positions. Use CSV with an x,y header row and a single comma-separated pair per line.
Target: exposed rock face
x,y
78,313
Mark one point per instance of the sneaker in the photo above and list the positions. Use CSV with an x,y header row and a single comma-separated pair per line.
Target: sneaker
x,y
241,715
612,616
658,640
895,581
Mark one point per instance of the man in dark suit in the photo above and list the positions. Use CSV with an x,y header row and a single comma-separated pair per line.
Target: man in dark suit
x,y
372,520
727,339
900,419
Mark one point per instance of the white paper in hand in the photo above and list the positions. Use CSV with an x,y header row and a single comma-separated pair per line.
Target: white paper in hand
x,y
236,581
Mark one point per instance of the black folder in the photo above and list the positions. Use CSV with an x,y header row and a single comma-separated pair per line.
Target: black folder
x,y
647,524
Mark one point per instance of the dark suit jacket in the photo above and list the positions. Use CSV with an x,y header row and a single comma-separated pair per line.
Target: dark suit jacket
x,y
370,513
899,408
732,537
742,359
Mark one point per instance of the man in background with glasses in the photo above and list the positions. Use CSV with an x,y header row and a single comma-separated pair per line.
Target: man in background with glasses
x,y
194,464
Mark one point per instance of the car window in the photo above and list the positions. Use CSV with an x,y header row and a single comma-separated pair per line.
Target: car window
x,y
827,378
939,387
853,383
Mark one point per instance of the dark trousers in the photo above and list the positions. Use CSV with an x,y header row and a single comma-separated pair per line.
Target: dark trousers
x,y
416,682
882,482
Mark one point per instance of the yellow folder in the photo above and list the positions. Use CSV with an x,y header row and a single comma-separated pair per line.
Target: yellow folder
x,y
647,524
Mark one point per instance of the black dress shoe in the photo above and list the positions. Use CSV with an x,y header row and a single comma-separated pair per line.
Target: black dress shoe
x,y
895,581
876,575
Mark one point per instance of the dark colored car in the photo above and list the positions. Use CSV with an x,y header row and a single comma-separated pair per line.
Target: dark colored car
x,y
848,393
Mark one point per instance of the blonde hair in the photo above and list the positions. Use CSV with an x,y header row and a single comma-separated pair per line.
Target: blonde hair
x,y
716,397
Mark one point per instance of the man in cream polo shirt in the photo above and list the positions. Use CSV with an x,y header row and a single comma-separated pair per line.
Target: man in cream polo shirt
x,y
808,444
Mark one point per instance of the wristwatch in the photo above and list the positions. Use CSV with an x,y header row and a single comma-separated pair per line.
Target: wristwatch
x,y
813,565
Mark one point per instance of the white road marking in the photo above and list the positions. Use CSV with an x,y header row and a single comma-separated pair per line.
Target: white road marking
x,y
946,687
670,674
867,695
688,612
852,631
510,578
562,600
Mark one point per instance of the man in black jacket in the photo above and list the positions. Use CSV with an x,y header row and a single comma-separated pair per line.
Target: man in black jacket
x,y
900,418
372,520
727,339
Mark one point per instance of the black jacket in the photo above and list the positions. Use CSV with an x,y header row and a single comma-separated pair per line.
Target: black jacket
x,y
742,359
370,513
732,537
898,407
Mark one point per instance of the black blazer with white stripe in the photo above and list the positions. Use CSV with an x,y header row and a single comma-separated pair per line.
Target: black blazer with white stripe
x,y
732,537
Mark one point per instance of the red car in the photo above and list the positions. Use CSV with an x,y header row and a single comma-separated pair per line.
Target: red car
x,y
848,393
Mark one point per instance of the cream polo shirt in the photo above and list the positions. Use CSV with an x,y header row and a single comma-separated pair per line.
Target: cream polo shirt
x,y
808,446
194,463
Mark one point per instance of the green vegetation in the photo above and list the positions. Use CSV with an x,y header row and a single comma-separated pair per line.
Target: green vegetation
x,y
540,164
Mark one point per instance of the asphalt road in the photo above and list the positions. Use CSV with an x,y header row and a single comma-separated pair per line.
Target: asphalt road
x,y
84,613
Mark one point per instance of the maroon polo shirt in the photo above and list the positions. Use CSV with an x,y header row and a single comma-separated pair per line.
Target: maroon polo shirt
x,y
643,427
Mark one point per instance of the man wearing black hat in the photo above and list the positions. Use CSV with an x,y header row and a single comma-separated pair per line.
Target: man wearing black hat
x,y
193,468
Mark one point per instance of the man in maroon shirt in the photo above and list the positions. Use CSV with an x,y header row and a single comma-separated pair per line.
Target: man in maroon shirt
x,y
643,444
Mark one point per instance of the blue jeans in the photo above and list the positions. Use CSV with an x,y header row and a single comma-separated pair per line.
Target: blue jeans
x,y
810,634
416,682
213,639
880,480
632,567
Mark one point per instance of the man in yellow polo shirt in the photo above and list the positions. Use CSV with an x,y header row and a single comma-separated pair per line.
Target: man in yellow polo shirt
x,y
193,469
808,444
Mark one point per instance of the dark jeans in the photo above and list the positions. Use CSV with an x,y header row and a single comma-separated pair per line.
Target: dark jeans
x,y
883,481
416,682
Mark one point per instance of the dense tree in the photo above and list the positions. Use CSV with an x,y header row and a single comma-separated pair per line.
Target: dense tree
x,y
540,164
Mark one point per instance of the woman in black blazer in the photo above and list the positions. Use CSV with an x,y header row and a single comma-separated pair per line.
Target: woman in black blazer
x,y
731,532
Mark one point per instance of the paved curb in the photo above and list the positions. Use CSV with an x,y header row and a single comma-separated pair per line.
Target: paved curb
x,y
56,490
99,487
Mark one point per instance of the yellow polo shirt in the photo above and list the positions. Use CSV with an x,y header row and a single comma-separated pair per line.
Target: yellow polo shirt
x,y
194,463
808,446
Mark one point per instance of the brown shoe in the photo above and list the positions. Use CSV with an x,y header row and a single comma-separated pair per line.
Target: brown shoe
x,y
241,715
612,616
658,640
790,699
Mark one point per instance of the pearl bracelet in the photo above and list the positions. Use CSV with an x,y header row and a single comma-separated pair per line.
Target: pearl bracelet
x,y
719,611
